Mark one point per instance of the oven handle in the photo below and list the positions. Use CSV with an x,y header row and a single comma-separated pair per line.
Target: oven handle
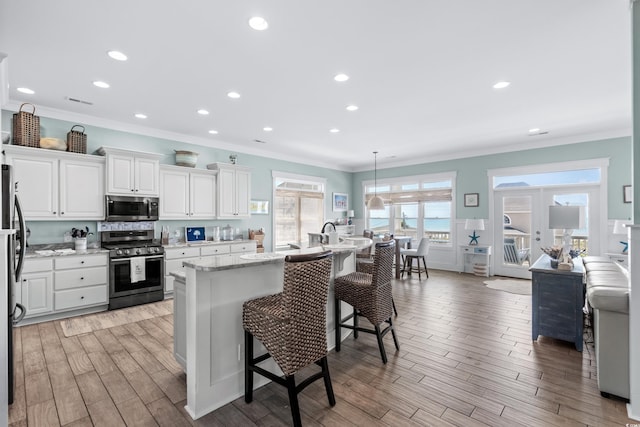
x,y
141,256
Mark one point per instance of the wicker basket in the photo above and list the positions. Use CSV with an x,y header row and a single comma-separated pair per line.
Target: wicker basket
x,y
77,141
26,127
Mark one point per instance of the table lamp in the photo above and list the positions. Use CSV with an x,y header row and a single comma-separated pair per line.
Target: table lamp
x,y
619,227
350,214
566,218
474,224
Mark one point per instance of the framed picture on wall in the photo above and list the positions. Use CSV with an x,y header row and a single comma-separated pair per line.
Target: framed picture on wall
x,y
340,202
259,207
471,200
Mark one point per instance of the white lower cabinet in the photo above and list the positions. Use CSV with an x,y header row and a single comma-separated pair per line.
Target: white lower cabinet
x,y
53,285
175,257
36,285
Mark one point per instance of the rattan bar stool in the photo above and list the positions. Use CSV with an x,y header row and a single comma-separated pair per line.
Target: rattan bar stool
x,y
370,296
292,325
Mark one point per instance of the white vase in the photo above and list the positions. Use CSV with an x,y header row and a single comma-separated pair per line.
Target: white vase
x,y
81,243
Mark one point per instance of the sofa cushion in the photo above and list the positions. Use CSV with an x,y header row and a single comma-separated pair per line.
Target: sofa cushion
x,y
601,266
592,258
609,298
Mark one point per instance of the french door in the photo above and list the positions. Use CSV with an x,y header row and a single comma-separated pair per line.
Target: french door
x,y
521,216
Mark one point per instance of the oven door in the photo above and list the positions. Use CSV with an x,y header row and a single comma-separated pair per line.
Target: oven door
x,y
120,277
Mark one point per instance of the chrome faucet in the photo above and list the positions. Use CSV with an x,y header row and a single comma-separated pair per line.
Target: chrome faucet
x,y
325,226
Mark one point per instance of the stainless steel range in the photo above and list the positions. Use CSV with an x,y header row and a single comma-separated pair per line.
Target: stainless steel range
x,y
136,267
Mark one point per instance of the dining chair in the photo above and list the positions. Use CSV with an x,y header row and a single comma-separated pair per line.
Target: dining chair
x,y
370,296
292,325
408,255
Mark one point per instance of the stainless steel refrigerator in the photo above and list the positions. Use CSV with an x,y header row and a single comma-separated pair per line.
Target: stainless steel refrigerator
x,y
12,218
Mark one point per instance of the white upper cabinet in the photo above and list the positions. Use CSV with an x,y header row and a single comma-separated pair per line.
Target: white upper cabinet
x,y
234,190
187,193
131,173
57,185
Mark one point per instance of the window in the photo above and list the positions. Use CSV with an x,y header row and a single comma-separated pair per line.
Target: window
x,y
298,207
414,206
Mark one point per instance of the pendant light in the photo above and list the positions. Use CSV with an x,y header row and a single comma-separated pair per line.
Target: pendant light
x,y
375,203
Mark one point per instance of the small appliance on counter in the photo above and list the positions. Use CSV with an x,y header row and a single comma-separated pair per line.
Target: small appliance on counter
x,y
194,234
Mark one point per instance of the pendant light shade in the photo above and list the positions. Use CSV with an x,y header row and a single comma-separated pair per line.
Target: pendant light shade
x,y
375,203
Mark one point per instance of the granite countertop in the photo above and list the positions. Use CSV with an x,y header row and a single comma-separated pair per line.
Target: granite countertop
x,y
205,243
59,249
255,259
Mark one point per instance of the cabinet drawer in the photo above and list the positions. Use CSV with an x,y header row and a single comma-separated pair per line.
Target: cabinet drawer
x,y
176,264
37,264
215,250
80,261
182,253
81,297
243,247
68,279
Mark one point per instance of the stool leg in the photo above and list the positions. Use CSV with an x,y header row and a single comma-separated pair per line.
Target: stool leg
x,y
355,324
248,367
327,381
393,303
293,400
425,266
381,344
393,333
336,321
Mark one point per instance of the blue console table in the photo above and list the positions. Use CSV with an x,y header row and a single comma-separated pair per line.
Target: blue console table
x,y
557,298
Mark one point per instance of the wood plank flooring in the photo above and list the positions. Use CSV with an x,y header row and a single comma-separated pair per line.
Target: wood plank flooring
x,y
466,358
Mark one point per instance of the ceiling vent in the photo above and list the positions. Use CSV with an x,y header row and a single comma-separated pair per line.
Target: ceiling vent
x,y
79,101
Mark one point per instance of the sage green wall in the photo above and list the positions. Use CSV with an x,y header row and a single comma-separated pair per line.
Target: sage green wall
x,y
472,173
261,176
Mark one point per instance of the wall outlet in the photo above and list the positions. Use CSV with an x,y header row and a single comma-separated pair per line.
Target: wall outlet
x,y
67,237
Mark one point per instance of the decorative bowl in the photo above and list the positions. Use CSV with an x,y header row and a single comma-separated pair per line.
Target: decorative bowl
x,y
186,158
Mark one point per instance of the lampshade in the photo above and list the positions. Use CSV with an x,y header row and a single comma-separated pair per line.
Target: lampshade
x,y
474,224
567,217
351,214
375,203
619,226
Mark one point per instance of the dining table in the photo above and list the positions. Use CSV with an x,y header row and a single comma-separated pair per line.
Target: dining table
x,y
402,242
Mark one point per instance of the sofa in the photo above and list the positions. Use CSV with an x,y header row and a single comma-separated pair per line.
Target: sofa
x,y
608,299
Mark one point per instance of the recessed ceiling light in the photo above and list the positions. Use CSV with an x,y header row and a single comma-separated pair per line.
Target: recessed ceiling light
x,y
203,112
118,56
258,23
101,84
213,132
501,85
334,130
234,95
140,116
352,107
534,130
267,129
341,77
25,90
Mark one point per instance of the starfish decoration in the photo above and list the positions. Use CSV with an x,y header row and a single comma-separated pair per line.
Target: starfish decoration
x,y
626,246
474,238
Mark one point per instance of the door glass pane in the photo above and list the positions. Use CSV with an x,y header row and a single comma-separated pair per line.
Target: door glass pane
x,y
406,220
579,236
516,230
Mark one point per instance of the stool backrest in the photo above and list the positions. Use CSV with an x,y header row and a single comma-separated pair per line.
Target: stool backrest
x,y
383,263
423,247
306,283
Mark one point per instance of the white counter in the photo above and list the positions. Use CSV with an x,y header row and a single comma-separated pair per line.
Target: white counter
x,y
208,333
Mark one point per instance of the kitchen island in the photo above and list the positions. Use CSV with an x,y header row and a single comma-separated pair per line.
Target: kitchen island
x,y
208,333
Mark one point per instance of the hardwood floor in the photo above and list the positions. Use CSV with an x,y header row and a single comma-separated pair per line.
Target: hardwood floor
x,y
466,358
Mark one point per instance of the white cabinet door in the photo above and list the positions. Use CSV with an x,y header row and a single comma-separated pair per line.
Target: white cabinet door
x,y
37,183
37,293
202,195
243,193
174,197
226,194
120,174
81,190
146,176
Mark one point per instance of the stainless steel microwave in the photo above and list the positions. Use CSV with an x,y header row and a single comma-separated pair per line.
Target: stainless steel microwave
x,y
130,208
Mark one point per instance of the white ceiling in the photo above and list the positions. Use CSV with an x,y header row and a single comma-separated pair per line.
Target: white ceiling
x,y
421,72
